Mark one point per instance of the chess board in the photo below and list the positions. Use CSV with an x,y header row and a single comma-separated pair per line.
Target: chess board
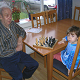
x,y
45,42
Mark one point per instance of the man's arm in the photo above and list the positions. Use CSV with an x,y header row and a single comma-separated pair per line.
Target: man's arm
x,y
19,44
21,34
20,31
5,50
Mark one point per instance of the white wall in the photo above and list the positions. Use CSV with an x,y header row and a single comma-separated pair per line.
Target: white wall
x,y
75,3
56,2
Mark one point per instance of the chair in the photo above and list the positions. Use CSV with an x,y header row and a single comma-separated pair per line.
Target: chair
x,y
51,16
40,19
76,13
62,70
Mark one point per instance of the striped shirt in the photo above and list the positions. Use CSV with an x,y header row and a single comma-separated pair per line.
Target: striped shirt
x,y
8,38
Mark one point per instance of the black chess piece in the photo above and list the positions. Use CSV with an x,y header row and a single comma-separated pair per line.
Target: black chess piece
x,y
46,40
53,40
49,39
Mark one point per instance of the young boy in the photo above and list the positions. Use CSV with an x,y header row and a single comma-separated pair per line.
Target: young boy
x,y
67,55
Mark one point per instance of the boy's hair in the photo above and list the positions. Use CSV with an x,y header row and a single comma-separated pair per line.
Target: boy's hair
x,y
74,29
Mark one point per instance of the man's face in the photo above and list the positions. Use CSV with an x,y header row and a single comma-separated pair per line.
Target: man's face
x,y
6,17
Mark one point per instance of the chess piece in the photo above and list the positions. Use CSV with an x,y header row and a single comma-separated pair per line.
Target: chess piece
x,y
36,42
39,44
53,40
43,40
47,40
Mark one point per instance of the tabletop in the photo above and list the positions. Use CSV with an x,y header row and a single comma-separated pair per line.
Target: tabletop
x,y
56,30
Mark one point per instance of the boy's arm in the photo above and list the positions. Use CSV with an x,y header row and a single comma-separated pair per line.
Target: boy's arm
x,y
63,40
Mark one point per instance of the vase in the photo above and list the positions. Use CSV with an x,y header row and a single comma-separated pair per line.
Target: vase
x,y
16,20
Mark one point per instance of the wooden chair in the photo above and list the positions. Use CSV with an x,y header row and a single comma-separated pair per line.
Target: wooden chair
x,y
51,16
76,13
39,18
62,70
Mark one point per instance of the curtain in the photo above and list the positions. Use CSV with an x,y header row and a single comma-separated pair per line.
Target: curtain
x,y
64,9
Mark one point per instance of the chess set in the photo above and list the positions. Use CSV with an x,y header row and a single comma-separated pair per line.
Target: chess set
x,y
45,42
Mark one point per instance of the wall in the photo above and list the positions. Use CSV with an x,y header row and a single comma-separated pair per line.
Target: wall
x,y
55,2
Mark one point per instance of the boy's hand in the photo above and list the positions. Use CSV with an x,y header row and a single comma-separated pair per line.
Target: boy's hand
x,y
69,72
62,41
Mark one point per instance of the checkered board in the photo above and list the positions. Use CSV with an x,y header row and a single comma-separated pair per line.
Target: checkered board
x,y
45,42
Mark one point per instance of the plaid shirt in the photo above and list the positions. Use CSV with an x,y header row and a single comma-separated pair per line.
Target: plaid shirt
x,y
8,39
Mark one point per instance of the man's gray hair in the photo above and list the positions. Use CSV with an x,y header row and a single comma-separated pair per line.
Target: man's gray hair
x,y
4,4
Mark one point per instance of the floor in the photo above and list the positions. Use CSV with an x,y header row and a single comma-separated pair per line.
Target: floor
x,y
41,72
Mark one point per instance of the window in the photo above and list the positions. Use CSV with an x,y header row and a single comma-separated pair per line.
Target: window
x,y
31,6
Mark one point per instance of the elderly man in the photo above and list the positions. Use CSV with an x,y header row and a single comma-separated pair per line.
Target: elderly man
x,y
11,47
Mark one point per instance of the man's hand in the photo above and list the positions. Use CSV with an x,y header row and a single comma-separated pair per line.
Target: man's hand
x,y
19,44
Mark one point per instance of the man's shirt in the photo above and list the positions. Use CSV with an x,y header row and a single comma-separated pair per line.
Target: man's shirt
x,y
8,38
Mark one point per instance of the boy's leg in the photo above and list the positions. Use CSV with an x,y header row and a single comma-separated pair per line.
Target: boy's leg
x,y
30,63
57,56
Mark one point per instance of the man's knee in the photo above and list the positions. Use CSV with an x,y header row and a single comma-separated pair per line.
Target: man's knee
x,y
36,64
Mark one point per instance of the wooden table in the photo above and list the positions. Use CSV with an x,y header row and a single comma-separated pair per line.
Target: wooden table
x,y
56,30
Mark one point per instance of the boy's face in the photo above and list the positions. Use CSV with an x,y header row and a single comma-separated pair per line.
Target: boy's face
x,y
72,38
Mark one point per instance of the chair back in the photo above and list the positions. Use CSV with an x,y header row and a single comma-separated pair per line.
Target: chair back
x,y
39,19
61,69
76,13
77,71
51,16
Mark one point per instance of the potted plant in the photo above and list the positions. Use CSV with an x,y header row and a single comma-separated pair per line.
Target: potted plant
x,y
16,14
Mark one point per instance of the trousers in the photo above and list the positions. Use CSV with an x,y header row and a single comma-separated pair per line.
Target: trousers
x,y
10,64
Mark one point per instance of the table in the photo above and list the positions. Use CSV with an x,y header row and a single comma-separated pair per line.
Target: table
x,y
56,30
